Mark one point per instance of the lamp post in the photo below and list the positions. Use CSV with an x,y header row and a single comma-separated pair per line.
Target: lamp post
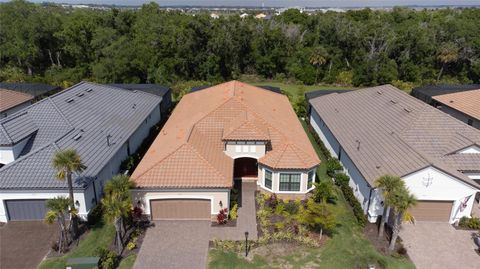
x,y
246,244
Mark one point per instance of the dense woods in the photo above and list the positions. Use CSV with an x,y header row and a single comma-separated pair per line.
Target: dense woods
x,y
61,46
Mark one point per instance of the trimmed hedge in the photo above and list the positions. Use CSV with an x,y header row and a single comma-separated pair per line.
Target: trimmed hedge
x,y
342,180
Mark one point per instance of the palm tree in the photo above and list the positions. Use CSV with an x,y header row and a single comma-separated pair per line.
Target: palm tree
x,y
401,200
318,58
58,209
117,204
388,184
448,53
66,162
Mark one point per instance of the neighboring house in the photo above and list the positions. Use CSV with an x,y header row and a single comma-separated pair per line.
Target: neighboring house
x,y
244,15
317,93
214,16
382,130
260,16
159,90
103,124
215,135
426,93
12,101
464,106
37,90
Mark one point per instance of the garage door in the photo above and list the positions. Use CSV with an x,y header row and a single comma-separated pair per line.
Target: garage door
x,y
26,209
175,209
432,210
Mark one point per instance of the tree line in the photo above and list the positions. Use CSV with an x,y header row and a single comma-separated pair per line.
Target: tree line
x,y
61,46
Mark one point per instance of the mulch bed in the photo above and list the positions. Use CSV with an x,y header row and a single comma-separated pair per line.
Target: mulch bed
x,y
382,243
230,223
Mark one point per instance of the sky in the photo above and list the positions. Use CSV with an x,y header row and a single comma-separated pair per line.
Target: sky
x,y
283,3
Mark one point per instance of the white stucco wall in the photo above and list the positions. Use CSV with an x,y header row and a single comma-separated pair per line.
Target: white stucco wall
x,y
214,195
24,195
144,130
443,187
470,150
276,180
10,154
240,151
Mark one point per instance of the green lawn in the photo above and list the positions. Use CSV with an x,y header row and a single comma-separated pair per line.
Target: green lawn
x,y
294,89
347,248
100,236
127,263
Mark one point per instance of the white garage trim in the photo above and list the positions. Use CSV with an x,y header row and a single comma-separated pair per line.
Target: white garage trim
x,y
182,197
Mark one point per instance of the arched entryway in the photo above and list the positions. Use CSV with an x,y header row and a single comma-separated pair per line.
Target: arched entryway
x,y
245,167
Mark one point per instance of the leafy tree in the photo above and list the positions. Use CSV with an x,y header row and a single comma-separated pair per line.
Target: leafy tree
x,y
323,191
58,209
117,204
67,162
447,54
400,200
317,216
388,184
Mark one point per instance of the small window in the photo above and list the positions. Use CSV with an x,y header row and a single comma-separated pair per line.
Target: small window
x,y
290,182
245,148
268,179
311,179
253,149
238,149
470,122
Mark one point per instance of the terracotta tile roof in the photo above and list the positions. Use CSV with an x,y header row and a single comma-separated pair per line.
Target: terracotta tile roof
x,y
386,131
188,152
467,102
10,99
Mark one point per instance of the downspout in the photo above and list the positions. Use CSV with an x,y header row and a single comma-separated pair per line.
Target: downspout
x,y
369,200
95,193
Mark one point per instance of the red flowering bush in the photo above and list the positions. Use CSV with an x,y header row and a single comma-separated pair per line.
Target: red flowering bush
x,y
222,216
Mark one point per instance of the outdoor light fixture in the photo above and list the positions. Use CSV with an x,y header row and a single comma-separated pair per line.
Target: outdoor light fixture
x,y
77,203
246,243
220,204
139,203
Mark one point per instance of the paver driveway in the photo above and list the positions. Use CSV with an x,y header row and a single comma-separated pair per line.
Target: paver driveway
x,y
175,244
439,245
23,244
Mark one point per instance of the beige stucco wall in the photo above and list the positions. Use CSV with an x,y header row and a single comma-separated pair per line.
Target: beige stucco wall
x,y
239,151
215,196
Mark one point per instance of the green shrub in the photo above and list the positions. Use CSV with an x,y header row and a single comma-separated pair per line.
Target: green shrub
x,y
108,258
234,212
470,223
280,208
342,179
333,165
323,191
131,245
95,215
292,207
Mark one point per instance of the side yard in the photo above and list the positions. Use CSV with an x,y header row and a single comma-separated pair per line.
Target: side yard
x,y
346,246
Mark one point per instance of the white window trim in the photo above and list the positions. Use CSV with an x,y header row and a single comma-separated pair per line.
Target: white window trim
x,y
278,185
271,179
313,181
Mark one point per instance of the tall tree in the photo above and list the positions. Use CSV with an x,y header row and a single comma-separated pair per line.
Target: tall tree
x,y
67,162
388,184
401,200
447,54
58,208
318,58
117,204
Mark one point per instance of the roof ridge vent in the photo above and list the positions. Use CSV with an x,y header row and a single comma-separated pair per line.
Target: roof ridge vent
x,y
69,100
393,101
80,94
89,90
379,92
407,109
78,136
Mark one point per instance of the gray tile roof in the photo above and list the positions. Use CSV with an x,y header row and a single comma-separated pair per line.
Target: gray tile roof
x,y
425,93
385,131
150,88
88,110
34,89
